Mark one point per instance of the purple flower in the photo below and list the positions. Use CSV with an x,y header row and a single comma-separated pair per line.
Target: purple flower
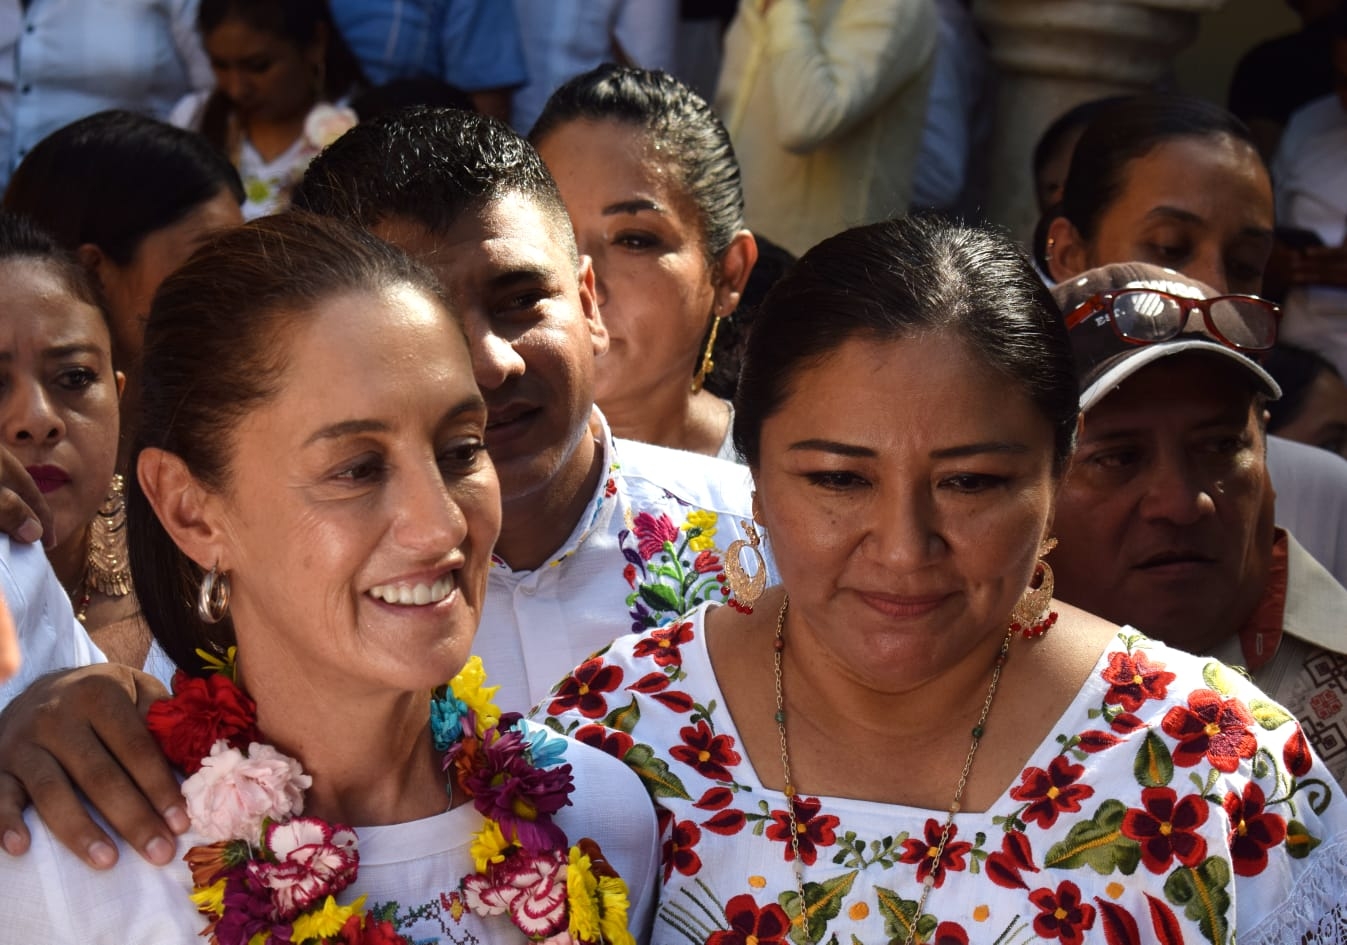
x,y
506,788
247,910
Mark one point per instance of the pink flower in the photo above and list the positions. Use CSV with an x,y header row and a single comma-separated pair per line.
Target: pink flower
x,y
313,860
653,533
233,793
531,888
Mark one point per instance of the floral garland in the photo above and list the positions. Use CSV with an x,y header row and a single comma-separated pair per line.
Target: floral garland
x,y
270,875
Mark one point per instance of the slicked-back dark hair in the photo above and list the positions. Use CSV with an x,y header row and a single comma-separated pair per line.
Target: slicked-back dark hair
x,y
428,166
216,349
20,238
1129,128
678,119
115,177
899,279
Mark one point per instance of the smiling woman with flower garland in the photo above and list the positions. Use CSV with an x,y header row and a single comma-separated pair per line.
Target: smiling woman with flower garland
x,y
313,521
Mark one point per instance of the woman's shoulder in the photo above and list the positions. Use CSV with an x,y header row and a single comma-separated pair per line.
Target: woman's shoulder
x,y
49,895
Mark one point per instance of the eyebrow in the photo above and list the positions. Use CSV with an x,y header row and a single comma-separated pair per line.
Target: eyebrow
x,y
1187,216
61,351
343,428
953,452
519,275
631,206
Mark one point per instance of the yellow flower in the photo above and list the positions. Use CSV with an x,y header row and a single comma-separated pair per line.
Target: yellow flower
x,y
582,903
705,522
209,900
260,938
613,911
228,664
326,922
468,687
488,846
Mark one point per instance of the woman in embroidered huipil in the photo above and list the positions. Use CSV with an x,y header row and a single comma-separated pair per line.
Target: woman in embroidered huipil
x,y
908,740
652,187
311,527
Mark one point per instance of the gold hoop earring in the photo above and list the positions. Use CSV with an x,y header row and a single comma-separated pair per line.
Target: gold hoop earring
x,y
747,588
1031,615
699,380
212,603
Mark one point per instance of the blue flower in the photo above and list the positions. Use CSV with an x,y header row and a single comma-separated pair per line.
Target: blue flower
x,y
543,747
448,718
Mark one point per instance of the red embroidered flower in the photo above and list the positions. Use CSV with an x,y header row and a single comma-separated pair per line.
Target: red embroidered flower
x,y
1253,831
750,925
652,533
613,742
662,645
1212,728
678,852
922,853
1166,828
1062,914
200,713
712,755
629,575
1051,792
609,489
706,562
1004,866
1133,679
584,689
1296,754
812,830
950,933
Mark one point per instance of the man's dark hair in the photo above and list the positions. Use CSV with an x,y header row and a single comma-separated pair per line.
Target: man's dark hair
x,y
428,166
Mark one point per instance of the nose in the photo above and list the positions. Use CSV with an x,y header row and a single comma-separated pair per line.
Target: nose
x,y
31,417
1177,492
905,535
494,358
428,519
231,84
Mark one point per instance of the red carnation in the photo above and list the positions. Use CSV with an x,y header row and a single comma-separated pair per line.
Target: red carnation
x,y
367,930
200,713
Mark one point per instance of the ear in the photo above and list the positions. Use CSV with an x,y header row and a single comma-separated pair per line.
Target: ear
x,y
1067,256
735,266
94,261
120,379
589,307
189,512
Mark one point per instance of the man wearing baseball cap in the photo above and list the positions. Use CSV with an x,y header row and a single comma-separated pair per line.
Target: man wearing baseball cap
x,y
1166,518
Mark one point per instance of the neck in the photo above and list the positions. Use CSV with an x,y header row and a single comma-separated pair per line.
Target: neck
x,y
670,415
270,139
370,755
818,691
535,526
70,558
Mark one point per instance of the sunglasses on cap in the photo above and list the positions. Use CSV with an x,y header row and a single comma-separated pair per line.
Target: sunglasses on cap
x,y
1149,316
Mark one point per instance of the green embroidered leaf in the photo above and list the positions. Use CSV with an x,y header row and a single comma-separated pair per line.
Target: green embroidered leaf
x,y
1203,895
660,597
659,780
623,718
1220,677
1299,840
1154,766
1097,843
823,903
899,914
1269,714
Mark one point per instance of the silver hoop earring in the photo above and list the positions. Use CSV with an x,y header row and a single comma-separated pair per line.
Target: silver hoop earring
x,y
212,603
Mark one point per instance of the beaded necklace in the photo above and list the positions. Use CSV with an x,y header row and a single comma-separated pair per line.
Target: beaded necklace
x,y
779,646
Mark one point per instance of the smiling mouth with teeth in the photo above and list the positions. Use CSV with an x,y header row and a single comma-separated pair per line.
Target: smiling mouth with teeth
x,y
418,595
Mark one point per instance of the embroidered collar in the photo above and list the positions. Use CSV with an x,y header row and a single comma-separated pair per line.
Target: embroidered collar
x,y
270,875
